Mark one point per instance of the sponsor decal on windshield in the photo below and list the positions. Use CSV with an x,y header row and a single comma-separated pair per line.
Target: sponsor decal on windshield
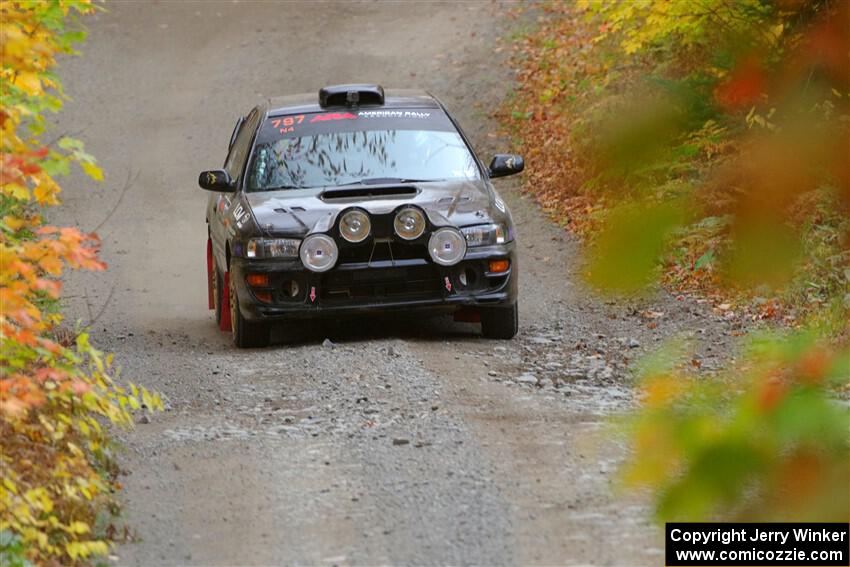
x,y
333,116
393,114
352,120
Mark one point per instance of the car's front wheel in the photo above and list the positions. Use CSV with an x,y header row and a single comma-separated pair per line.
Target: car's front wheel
x,y
246,334
500,322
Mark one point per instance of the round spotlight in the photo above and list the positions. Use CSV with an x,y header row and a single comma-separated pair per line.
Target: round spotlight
x,y
354,226
319,252
447,246
409,223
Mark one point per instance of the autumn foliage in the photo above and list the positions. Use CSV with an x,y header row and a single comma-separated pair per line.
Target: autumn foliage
x,y
704,144
56,396
764,440
734,113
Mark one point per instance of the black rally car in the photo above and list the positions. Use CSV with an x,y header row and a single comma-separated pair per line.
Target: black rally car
x,y
357,200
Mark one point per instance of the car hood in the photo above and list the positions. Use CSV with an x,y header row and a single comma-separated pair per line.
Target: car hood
x,y
297,212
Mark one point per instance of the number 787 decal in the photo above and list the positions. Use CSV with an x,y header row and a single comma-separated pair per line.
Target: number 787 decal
x,y
286,123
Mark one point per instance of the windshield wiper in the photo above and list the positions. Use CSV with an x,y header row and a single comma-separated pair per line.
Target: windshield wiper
x,y
284,187
367,181
384,180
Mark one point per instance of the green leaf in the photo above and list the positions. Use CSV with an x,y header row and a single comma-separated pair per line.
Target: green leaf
x,y
71,144
704,261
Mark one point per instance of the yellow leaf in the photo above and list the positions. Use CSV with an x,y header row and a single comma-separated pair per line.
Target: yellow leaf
x,y
16,191
93,171
45,193
75,450
29,82
79,528
13,222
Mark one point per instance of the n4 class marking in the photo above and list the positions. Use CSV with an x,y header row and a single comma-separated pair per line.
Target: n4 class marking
x,y
287,124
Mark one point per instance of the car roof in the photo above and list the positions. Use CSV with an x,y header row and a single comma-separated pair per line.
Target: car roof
x,y
309,102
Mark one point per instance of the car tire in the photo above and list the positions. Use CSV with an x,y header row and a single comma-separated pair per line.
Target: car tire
x,y
246,334
500,322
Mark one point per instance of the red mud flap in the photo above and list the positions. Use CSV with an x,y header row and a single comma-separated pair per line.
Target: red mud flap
x,y
210,275
224,322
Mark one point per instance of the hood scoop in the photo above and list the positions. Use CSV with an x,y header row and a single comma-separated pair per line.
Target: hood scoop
x,y
366,192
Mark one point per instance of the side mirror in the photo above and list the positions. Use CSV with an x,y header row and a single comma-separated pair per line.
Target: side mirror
x,y
216,180
506,164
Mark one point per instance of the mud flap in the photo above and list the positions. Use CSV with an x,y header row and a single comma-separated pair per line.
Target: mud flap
x,y
467,315
210,275
224,322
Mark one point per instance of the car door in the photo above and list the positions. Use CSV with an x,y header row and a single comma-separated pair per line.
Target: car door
x,y
235,166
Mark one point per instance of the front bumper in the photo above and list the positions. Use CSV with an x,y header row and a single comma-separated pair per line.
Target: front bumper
x,y
295,292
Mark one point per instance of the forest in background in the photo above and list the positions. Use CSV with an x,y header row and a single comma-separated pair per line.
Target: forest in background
x,y
703,145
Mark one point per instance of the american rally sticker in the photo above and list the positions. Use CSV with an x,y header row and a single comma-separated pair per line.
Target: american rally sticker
x,y
393,114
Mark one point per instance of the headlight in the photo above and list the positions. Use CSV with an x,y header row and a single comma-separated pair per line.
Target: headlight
x,y
409,223
447,246
354,226
272,248
319,252
486,234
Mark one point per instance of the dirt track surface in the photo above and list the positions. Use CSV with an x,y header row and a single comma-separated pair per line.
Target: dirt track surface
x,y
406,441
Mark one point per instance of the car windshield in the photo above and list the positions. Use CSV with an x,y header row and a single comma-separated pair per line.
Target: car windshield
x,y
357,149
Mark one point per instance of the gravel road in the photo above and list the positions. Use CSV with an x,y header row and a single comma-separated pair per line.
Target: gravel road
x,y
398,440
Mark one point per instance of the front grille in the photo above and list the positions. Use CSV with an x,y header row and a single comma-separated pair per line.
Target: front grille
x,y
382,251
382,283
382,246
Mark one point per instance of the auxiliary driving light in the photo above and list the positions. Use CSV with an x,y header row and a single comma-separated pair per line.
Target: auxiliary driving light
x,y
499,266
319,252
257,280
354,226
447,246
409,223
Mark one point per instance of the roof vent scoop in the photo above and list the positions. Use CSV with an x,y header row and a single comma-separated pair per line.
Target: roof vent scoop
x,y
351,95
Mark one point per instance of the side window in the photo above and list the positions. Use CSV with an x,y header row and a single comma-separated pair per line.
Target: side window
x,y
242,145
